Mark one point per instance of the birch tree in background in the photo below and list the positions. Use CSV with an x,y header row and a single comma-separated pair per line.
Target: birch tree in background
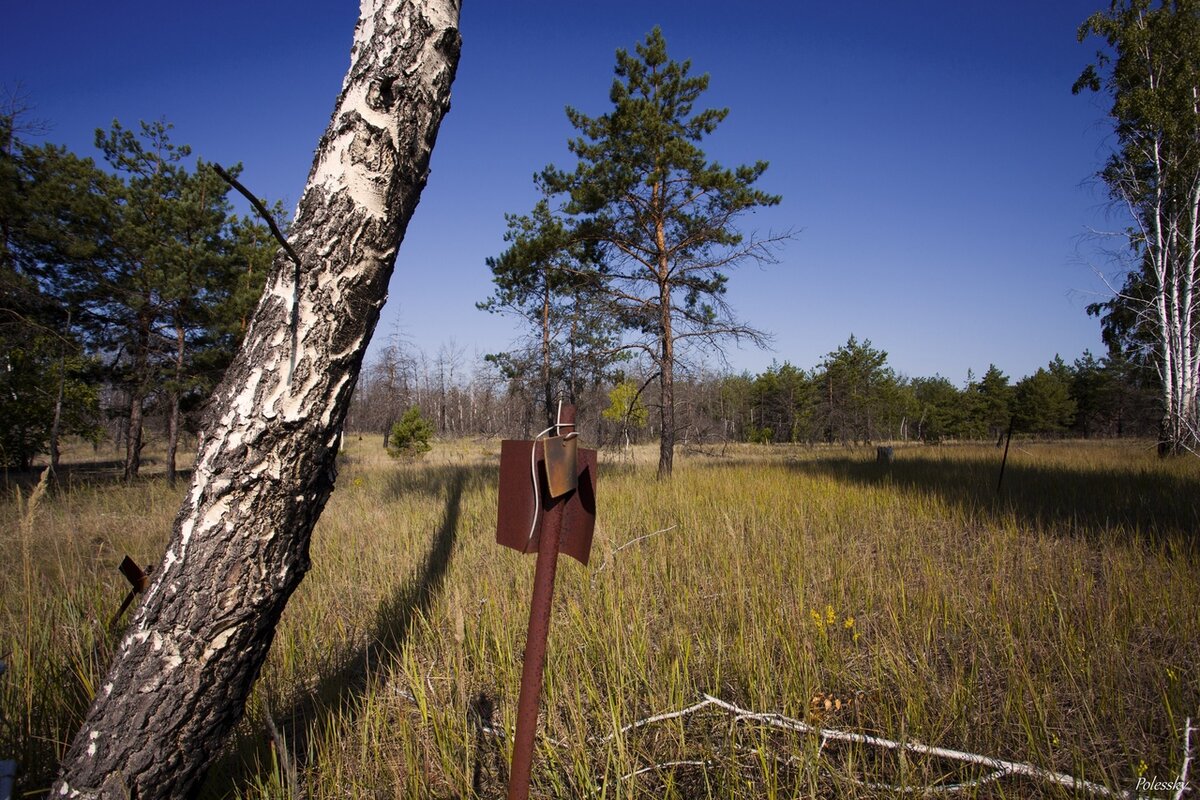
x,y
266,460
1152,72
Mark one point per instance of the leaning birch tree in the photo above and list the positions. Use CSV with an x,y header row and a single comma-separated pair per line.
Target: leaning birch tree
x,y
1152,72
266,461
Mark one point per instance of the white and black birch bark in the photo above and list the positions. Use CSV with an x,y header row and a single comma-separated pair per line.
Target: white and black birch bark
x,y
1168,226
265,466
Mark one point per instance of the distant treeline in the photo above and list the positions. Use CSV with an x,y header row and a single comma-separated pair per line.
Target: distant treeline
x,y
852,396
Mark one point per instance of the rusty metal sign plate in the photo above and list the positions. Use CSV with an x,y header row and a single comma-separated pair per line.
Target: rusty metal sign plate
x,y
562,460
517,503
138,579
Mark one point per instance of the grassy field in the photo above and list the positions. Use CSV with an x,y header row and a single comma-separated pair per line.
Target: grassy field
x,y
1056,623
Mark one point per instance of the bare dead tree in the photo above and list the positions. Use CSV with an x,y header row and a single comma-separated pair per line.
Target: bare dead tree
x,y
266,461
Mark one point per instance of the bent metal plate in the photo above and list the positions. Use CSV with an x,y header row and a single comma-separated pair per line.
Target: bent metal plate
x,y
519,511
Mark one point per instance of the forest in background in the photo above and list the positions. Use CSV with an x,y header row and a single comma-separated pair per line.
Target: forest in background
x,y
121,302
124,292
853,396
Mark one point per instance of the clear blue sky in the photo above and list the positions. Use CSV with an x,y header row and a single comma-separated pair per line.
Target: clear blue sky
x,y
930,154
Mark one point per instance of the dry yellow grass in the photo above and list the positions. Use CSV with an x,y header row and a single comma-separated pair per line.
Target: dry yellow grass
x,y
1055,623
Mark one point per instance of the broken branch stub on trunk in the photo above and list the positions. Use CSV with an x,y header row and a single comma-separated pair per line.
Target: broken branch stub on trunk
x,y
266,460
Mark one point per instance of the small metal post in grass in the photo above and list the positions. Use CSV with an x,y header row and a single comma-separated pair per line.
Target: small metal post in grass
x,y
1004,460
138,581
547,504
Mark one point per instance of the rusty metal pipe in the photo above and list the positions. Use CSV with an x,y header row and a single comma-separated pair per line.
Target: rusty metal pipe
x,y
1004,461
535,638
138,580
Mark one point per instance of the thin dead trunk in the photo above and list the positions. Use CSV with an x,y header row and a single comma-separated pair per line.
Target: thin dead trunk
x,y
267,455
173,413
666,441
547,387
56,423
133,435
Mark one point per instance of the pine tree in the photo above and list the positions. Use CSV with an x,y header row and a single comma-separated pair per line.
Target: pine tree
x,y
855,388
544,278
50,210
660,217
1042,402
173,270
996,395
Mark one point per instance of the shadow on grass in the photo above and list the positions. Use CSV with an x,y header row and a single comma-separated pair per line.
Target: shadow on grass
x,y
1132,503
431,480
339,691
73,475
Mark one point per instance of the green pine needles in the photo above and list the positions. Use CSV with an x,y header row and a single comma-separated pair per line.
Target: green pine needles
x,y
644,228
410,437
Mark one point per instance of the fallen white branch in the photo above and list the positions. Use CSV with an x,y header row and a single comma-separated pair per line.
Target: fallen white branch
x,y
947,788
1000,768
665,765
1008,767
1182,786
641,723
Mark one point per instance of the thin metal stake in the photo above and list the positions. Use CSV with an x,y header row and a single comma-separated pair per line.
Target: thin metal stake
x,y
138,581
1004,460
535,638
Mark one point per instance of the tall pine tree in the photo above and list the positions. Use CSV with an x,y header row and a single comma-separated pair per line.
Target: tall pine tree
x,y
660,217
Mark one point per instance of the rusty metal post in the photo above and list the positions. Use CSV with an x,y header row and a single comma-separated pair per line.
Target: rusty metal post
x,y
535,638
1004,461
138,580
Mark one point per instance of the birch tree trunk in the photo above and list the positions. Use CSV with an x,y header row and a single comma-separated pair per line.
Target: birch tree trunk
x,y
265,465
1154,82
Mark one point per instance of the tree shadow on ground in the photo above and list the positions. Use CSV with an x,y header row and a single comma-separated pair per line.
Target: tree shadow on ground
x,y
73,475
1109,504
339,690
432,480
